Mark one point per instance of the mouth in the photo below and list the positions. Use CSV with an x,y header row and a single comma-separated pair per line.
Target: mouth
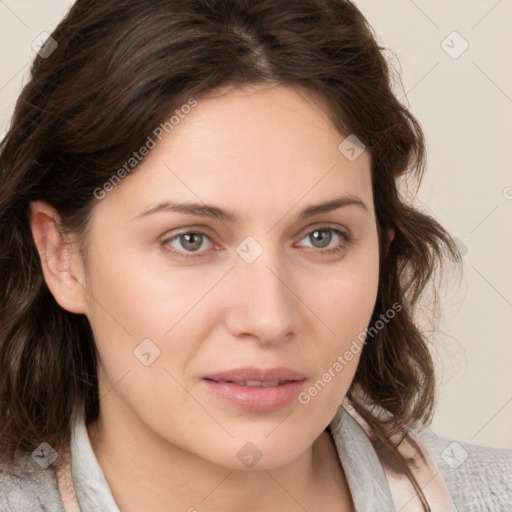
x,y
251,374
254,383
255,389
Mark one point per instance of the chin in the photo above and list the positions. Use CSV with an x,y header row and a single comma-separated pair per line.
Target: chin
x,y
260,450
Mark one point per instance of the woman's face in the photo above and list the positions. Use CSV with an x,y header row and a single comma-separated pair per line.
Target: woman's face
x,y
176,298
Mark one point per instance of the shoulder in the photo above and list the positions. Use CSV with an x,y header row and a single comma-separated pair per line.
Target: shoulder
x,y
478,478
29,488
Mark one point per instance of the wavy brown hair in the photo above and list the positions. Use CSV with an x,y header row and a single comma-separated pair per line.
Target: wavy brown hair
x,y
120,67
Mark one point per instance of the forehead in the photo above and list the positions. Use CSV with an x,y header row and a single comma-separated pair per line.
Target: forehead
x,y
253,116
256,147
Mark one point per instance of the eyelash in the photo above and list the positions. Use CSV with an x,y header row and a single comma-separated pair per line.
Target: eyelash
x,y
346,239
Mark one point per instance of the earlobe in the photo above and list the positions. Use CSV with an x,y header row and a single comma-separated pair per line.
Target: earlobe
x,y
58,258
391,237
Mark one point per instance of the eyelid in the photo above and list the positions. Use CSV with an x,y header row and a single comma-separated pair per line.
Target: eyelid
x,y
340,231
202,230
324,225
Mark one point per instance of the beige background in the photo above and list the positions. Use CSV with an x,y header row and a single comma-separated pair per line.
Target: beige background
x,y
465,107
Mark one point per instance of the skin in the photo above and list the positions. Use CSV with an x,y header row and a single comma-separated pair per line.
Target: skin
x,y
264,153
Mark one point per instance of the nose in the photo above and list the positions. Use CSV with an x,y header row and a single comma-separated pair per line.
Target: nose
x,y
262,303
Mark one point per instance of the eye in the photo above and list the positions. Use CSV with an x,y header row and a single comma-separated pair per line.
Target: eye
x,y
322,237
187,243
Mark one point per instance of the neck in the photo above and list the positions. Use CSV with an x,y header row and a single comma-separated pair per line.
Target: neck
x,y
146,472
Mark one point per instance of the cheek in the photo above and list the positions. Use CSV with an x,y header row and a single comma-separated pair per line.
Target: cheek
x,y
143,337
134,294
349,298
136,312
345,306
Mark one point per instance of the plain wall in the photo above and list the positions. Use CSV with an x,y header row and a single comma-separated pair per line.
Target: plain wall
x,y
464,103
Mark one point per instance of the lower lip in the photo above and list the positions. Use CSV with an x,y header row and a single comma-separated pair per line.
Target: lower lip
x,y
257,398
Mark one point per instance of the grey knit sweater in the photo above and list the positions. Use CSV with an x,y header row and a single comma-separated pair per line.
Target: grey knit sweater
x,y
478,479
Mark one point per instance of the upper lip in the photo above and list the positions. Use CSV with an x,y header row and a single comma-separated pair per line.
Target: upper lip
x,y
257,374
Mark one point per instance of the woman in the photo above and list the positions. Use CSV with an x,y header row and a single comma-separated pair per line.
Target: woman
x,y
209,275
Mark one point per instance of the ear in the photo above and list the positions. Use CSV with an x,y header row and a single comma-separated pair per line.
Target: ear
x,y
391,237
60,260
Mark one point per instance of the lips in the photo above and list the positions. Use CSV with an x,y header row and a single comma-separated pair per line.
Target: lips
x,y
251,373
255,389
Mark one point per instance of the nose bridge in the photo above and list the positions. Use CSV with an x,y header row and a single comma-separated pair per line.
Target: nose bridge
x,y
263,303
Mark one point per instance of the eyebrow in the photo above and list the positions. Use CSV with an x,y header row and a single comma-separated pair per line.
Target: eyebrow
x,y
214,212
